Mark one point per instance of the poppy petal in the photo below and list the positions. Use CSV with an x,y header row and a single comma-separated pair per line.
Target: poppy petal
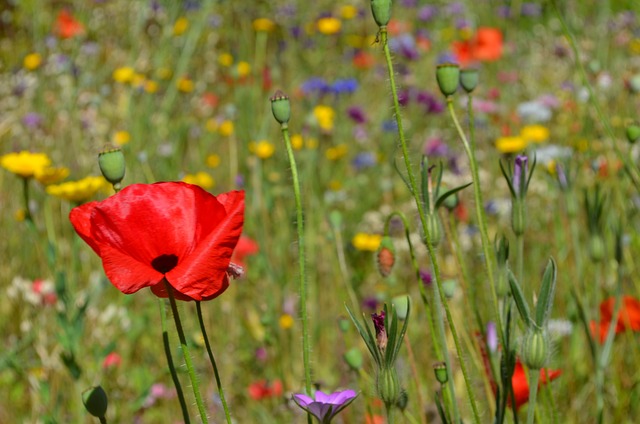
x,y
204,273
125,272
80,218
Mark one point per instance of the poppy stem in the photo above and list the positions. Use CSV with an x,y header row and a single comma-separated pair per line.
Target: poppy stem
x,y
431,250
213,362
185,352
172,368
301,260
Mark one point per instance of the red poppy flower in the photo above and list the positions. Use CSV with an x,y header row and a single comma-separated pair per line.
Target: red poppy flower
x,y
246,247
67,26
173,230
628,318
262,389
485,46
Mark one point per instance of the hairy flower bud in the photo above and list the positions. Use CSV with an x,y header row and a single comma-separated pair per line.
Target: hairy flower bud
x,y
387,385
535,349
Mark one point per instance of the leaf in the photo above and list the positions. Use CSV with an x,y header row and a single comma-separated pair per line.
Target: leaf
x,y
445,195
507,176
403,331
368,338
547,292
392,337
518,297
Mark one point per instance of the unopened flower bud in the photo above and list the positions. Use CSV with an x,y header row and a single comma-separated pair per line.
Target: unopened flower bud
x,y
280,107
401,305
387,386
440,370
386,256
353,358
381,10
535,349
518,216
448,76
95,401
434,228
469,79
596,248
381,331
451,202
633,133
112,166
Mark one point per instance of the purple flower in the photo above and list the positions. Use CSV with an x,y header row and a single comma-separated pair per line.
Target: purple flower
x,y
436,147
426,13
381,331
315,84
32,120
344,86
364,160
325,406
492,336
404,45
426,277
357,114
520,175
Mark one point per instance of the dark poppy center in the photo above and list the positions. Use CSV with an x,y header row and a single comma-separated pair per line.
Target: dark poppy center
x,y
164,263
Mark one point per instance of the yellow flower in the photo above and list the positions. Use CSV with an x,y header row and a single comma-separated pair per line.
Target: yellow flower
x,y
348,12
124,74
78,191
211,125
50,175
535,133
201,179
137,80
185,84
32,61
25,164
337,152
511,144
225,59
324,115
297,141
180,26
366,242
335,185
20,214
263,25
121,138
226,128
311,143
150,86
329,25
286,321
213,161
263,149
164,73
243,68
552,167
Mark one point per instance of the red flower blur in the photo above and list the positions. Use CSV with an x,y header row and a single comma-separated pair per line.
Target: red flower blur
x,y
67,26
246,247
262,389
173,230
485,46
628,318
112,360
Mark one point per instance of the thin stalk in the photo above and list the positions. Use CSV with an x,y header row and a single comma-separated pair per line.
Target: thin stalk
x,y
25,195
172,368
520,255
301,259
598,348
213,362
482,221
414,371
534,377
430,249
185,352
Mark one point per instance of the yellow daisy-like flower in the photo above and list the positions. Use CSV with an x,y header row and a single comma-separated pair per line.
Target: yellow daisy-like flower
x,y
186,85
324,116
201,179
348,12
50,175
286,321
121,138
180,26
211,125
366,242
213,161
225,59
79,191
25,164
263,149
226,128
124,74
535,133
297,142
511,144
329,25
263,25
32,61
337,152
150,86
243,68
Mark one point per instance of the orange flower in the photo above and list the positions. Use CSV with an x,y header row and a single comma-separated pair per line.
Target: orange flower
x,y
485,46
628,318
363,60
262,389
67,26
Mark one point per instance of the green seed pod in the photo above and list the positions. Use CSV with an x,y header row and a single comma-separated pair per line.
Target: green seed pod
x,y
440,370
448,77
344,324
353,358
469,79
388,386
449,288
451,202
401,304
535,349
112,166
596,248
95,401
633,133
280,107
381,10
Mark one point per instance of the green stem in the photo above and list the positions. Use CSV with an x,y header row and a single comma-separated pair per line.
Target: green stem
x,y
534,377
25,195
185,352
430,248
103,420
213,362
301,259
172,368
488,252
520,253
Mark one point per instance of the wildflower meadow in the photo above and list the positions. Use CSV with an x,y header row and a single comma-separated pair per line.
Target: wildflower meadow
x,y
354,211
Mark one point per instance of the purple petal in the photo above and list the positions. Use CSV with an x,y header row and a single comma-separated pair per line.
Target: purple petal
x,y
302,400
